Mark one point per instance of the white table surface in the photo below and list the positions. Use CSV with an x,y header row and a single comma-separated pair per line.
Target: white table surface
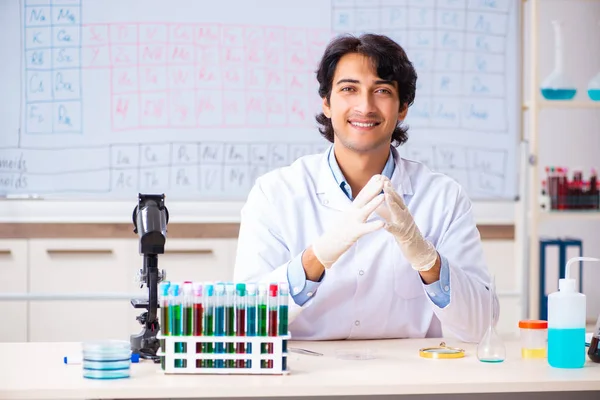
x,y
36,371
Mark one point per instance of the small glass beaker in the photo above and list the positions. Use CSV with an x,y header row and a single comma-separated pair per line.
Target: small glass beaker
x,y
534,338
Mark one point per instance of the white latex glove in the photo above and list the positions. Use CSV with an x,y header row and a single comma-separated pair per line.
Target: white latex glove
x,y
419,252
352,224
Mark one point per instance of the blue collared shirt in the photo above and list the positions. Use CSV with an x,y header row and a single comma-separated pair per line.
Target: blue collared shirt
x,y
303,289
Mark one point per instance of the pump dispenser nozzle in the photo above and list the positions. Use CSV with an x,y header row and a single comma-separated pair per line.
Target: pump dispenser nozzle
x,y
567,284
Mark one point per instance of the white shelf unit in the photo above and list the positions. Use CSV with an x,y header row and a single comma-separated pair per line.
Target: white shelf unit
x,y
531,109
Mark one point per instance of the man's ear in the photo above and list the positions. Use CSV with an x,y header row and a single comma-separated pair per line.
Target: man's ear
x,y
403,112
326,108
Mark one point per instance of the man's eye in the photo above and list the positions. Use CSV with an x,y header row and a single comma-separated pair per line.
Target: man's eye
x,y
347,89
386,91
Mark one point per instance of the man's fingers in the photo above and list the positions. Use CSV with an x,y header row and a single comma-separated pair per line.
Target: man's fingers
x,y
388,189
371,189
370,227
370,207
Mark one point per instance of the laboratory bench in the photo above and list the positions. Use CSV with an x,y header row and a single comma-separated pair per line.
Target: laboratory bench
x,y
395,370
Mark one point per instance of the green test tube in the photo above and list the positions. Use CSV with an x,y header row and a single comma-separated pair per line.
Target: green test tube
x,y
208,326
251,302
188,314
219,321
262,318
163,301
230,320
176,328
283,318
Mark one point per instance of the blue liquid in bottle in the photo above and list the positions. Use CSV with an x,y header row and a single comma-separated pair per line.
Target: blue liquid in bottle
x,y
594,94
566,347
559,94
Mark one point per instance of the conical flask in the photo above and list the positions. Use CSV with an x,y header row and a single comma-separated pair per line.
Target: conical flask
x,y
594,85
491,348
557,86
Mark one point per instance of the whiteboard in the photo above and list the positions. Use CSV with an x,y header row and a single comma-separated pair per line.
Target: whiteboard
x,y
108,98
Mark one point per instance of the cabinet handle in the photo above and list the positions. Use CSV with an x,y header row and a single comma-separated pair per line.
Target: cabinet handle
x,y
5,252
190,251
79,251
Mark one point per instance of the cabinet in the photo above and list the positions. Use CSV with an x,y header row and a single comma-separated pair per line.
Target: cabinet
x,y
72,266
108,267
13,279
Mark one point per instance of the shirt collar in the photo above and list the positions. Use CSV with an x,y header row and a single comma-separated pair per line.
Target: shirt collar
x,y
388,171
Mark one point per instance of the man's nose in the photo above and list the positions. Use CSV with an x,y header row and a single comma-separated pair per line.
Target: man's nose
x,y
365,104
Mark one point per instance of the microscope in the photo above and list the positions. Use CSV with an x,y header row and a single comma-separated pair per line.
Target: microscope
x,y
150,219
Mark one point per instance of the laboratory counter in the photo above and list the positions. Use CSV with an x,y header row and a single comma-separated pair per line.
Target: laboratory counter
x,y
36,371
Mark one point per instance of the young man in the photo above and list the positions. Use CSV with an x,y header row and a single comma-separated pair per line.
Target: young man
x,y
372,245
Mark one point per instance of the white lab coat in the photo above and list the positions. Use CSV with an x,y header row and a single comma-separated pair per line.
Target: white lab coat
x,y
371,292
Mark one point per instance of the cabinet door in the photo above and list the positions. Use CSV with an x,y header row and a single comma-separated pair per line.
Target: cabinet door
x,y
80,266
13,279
196,260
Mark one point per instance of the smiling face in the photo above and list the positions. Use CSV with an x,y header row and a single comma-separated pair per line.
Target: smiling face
x,y
364,109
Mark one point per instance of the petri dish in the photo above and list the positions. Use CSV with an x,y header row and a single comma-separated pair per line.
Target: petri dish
x,y
106,350
106,374
106,365
355,354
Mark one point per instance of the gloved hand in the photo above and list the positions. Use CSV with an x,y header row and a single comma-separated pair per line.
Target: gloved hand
x,y
419,252
352,224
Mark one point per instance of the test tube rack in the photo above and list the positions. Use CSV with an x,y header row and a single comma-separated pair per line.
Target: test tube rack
x,y
189,365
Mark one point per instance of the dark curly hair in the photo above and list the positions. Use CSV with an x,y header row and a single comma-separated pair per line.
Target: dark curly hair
x,y
391,63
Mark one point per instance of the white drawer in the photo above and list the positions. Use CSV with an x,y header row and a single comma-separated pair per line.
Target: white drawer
x,y
13,279
80,266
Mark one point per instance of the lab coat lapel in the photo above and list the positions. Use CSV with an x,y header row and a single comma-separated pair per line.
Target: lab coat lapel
x,y
328,191
400,179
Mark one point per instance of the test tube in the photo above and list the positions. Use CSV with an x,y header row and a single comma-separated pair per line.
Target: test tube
x,y
251,301
219,320
163,301
209,328
262,318
198,318
240,321
188,314
273,323
175,319
283,318
230,320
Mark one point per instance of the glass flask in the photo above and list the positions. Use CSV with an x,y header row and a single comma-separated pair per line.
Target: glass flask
x,y
557,86
491,348
594,85
594,88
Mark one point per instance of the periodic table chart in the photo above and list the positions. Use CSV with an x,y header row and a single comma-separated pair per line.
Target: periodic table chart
x,y
112,98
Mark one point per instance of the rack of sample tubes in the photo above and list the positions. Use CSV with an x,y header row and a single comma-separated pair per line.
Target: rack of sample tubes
x,y
223,328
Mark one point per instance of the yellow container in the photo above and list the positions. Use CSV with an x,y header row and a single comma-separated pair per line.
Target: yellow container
x,y
534,338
